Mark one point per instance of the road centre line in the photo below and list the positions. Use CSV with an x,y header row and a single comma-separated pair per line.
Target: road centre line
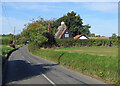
x,y
42,73
25,59
48,79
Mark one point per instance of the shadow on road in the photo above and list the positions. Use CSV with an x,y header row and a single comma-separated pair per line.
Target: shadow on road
x,y
20,70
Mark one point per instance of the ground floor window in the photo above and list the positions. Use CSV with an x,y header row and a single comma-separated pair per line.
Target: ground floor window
x,y
66,35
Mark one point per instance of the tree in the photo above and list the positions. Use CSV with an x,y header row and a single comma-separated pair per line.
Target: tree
x,y
114,36
91,35
98,36
74,24
11,38
37,34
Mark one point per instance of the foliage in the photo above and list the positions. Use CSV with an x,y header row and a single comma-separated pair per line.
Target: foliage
x,y
37,34
6,41
114,36
4,52
11,37
12,45
74,24
88,42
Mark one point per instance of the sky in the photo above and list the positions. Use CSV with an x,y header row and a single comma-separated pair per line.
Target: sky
x,y
101,16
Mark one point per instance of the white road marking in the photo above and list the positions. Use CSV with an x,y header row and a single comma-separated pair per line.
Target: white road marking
x,y
48,79
25,59
42,73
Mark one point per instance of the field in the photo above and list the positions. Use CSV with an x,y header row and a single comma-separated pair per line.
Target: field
x,y
4,37
100,62
101,51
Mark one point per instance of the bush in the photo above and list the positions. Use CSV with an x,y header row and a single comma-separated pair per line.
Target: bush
x,y
83,42
32,47
6,41
12,45
51,40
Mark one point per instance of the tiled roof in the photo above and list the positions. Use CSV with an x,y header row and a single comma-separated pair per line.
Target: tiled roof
x,y
77,36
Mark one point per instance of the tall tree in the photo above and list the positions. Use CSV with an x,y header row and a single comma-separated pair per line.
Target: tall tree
x,y
74,24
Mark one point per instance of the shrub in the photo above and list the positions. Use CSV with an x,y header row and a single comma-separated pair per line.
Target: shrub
x,y
12,45
83,42
6,41
32,47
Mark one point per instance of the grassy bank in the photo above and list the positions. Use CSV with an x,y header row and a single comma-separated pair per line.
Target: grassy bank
x,y
5,49
105,67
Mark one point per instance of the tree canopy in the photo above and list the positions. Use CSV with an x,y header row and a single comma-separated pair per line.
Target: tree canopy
x,y
74,24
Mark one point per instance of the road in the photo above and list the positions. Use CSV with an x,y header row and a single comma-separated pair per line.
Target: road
x,y
25,68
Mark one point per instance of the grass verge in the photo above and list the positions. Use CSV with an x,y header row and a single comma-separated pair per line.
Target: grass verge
x,y
105,67
6,51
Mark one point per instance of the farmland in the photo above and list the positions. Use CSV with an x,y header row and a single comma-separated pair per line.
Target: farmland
x,y
4,37
101,51
96,61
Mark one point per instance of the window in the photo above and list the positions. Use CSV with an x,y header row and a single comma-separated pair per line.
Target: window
x,y
66,35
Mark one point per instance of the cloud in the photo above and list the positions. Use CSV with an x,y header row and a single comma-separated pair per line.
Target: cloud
x,y
31,6
103,7
8,26
60,0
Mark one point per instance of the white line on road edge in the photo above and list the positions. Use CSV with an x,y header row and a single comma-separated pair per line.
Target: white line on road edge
x,y
49,79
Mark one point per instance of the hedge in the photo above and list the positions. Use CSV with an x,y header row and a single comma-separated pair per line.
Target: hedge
x,y
5,41
86,42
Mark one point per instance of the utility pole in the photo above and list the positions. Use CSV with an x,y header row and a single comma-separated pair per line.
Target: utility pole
x,y
48,26
14,36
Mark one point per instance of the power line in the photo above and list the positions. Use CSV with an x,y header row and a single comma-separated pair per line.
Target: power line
x,y
6,14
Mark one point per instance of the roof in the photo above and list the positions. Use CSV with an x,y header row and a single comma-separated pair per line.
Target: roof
x,y
77,36
61,30
62,33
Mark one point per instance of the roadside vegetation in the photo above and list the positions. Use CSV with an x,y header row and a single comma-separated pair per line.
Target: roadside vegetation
x,y
104,67
6,46
5,50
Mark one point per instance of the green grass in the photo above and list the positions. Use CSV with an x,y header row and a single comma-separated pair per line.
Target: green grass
x,y
105,67
101,51
4,37
5,49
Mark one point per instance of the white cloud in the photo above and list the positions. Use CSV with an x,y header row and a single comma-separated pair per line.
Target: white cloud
x,y
31,6
60,0
104,7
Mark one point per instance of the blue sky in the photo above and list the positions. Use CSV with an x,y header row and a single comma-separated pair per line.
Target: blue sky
x,y
101,16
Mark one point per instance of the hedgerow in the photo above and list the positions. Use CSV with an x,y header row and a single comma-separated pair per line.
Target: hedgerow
x,y
5,41
88,42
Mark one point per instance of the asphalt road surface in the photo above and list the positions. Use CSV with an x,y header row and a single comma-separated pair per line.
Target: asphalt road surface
x,y
25,68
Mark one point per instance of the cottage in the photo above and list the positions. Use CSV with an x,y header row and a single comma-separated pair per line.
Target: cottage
x,y
80,37
63,32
